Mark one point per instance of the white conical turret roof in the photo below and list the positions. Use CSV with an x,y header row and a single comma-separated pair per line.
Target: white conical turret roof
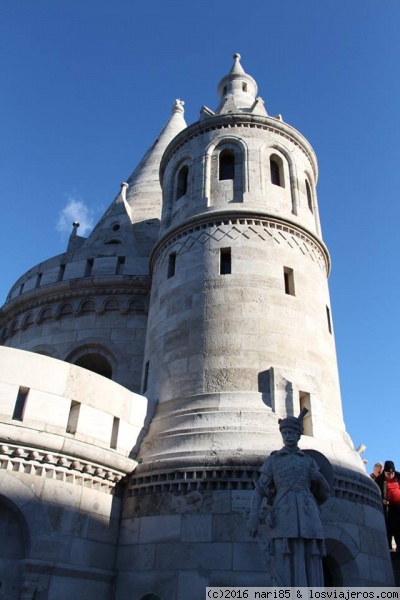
x,y
144,192
140,198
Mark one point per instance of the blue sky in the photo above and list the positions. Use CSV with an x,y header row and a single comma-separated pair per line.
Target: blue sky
x,y
87,85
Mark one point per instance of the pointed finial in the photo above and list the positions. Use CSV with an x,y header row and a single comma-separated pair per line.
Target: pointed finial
x,y
178,106
237,67
124,187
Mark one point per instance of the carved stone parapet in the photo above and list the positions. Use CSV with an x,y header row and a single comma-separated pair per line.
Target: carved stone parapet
x,y
58,466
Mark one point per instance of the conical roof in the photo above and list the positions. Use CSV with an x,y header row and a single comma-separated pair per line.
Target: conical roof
x,y
139,201
144,191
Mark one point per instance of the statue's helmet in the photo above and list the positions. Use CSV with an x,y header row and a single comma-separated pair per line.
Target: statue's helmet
x,y
295,423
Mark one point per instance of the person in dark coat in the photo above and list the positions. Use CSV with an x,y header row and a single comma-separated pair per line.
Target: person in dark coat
x,y
389,485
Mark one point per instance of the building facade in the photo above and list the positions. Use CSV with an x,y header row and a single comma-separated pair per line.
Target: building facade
x,y
144,372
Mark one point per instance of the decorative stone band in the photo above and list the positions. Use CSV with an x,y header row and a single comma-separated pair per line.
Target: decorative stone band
x,y
33,311
69,469
230,227
357,489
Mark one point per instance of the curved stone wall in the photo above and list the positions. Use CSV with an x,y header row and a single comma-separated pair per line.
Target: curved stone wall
x,y
52,410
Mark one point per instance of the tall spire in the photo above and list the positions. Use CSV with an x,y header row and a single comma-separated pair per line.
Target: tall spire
x,y
140,198
144,192
238,91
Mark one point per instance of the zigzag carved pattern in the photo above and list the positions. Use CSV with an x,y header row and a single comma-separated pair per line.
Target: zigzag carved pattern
x,y
232,229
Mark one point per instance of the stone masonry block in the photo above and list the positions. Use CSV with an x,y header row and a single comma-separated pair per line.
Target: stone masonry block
x,y
196,528
192,556
137,557
159,528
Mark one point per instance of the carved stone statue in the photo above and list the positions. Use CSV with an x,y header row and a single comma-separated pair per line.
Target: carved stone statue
x,y
293,486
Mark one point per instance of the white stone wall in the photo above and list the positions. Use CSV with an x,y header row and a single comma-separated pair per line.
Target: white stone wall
x,y
177,543
68,320
62,486
51,386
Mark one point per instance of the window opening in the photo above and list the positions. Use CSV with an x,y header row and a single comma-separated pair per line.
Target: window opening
x,y
226,165
72,423
225,261
61,273
275,172
244,86
288,278
38,279
305,402
20,404
328,316
309,196
93,361
146,376
89,267
182,182
171,264
120,264
114,433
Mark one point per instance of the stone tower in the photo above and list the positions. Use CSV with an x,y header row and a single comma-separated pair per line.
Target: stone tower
x,y
239,334
204,289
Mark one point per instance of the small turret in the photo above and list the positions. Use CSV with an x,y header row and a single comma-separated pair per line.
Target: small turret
x,y
238,92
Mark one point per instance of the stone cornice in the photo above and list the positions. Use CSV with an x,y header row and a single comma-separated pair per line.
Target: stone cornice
x,y
63,467
347,485
74,289
240,120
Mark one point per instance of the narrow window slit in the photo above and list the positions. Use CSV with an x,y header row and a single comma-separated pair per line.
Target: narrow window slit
x,y
288,278
73,417
171,264
114,434
225,261
20,404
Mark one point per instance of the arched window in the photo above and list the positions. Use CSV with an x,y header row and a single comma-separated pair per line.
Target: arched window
x,y
96,363
182,182
309,196
226,165
276,170
94,357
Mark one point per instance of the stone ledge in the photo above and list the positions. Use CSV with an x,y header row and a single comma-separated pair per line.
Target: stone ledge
x,y
69,469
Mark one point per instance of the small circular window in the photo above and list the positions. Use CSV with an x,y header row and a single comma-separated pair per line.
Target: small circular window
x,y
116,226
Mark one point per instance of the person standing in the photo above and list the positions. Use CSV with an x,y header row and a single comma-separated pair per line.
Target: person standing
x,y
377,470
389,484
